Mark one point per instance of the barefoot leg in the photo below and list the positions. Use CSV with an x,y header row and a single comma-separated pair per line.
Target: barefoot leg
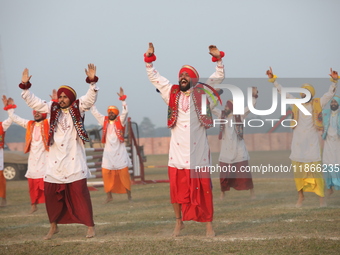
x,y
129,194
179,223
222,195
53,230
90,232
300,199
34,208
252,194
108,198
210,231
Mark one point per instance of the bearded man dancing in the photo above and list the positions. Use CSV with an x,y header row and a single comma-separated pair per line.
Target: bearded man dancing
x,y
66,193
305,148
190,190
116,161
331,149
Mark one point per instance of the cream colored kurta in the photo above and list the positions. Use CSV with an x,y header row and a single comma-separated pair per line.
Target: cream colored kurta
x,y
305,146
331,150
66,159
233,149
5,125
115,156
38,156
188,144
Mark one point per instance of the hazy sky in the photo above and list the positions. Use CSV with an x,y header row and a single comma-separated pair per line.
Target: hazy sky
x,y
57,39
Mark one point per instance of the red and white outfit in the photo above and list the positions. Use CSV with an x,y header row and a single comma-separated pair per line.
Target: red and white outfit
x,y
67,196
188,148
36,145
4,126
234,153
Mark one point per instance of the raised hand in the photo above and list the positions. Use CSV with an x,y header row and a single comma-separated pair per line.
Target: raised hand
x,y
25,76
121,92
4,100
213,51
334,74
91,71
150,51
54,95
270,73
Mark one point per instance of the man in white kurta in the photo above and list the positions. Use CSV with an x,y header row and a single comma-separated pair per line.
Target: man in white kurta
x,y
305,147
38,154
331,149
234,153
115,161
191,196
67,196
4,126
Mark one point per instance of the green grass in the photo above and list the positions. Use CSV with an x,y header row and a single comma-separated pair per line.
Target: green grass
x,y
268,225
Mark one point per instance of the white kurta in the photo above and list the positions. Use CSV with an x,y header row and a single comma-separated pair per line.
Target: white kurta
x,y
305,146
66,159
188,144
115,156
331,150
38,156
5,125
233,149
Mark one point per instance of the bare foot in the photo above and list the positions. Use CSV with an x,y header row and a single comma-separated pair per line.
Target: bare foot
x,y
129,195
323,202
222,195
90,232
107,200
34,208
329,192
53,230
179,226
3,202
210,232
299,202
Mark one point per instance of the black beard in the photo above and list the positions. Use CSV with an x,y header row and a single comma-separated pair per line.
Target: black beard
x,y
334,107
113,118
187,87
38,120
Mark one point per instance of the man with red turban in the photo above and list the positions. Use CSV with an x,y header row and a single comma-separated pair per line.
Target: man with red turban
x,y
234,153
4,125
116,161
36,145
305,147
67,197
189,116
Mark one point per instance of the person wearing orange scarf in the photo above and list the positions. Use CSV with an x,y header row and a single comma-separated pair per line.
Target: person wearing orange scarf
x,y
116,161
189,116
37,147
305,148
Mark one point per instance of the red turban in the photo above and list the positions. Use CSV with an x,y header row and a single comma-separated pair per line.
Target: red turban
x,y
69,92
113,109
43,115
193,74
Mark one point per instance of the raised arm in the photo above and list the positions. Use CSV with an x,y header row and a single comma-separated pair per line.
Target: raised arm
x,y
88,100
218,76
332,89
124,113
99,117
10,110
160,82
31,100
272,79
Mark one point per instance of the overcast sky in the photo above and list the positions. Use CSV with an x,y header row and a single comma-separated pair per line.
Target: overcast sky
x,y
57,39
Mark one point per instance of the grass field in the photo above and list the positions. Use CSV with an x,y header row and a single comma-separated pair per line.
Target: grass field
x,y
268,225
